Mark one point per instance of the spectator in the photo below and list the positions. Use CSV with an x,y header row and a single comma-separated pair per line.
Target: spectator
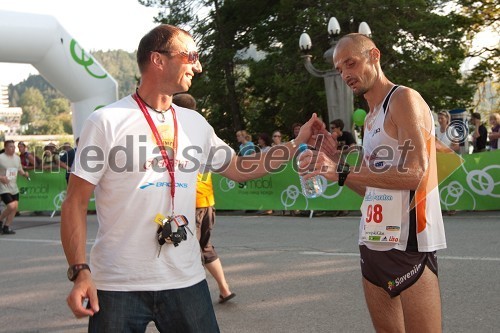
x,y
67,157
184,100
446,134
247,147
28,160
344,138
205,217
495,130
480,134
277,140
10,167
50,158
296,129
264,142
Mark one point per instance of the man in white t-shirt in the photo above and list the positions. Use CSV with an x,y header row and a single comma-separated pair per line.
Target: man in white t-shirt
x,y
10,167
141,156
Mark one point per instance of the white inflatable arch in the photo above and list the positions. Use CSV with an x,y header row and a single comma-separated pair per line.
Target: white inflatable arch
x,y
41,41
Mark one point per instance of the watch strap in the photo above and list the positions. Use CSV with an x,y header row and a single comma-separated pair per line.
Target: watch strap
x,y
343,170
76,269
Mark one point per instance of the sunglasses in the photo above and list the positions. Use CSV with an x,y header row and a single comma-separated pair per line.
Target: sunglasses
x,y
192,56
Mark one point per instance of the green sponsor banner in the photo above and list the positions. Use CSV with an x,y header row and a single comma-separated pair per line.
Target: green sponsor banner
x,y
474,185
45,192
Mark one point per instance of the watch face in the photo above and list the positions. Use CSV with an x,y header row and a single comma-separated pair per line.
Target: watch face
x,y
70,273
75,269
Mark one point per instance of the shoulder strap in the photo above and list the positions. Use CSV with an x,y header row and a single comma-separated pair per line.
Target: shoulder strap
x,y
388,98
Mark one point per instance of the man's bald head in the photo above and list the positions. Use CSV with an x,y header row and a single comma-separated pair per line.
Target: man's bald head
x,y
357,42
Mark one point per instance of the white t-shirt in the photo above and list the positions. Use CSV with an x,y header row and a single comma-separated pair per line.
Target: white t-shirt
x,y
446,136
117,152
10,167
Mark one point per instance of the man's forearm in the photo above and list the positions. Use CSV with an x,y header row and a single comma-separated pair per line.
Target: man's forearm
x,y
74,232
394,178
243,168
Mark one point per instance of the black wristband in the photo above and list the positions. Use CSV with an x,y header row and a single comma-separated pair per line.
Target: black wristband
x,y
342,171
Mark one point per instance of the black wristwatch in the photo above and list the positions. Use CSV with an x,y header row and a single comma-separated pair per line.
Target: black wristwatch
x,y
73,270
342,171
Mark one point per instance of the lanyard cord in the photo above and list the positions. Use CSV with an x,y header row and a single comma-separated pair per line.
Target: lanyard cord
x,y
169,163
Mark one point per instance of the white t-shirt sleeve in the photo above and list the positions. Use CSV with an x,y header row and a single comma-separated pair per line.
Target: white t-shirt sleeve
x,y
91,159
216,153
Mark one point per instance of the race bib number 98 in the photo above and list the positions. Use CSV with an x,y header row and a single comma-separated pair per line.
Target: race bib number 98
x,y
381,215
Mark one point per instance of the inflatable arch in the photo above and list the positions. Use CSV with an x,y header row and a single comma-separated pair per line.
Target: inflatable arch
x,y
41,41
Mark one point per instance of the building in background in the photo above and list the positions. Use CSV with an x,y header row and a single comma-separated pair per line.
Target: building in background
x,y
10,118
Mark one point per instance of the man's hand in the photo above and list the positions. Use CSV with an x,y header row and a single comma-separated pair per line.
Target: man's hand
x,y
312,163
83,288
4,179
326,142
309,129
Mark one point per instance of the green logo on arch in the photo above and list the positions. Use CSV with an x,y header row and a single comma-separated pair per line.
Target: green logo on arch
x,y
84,59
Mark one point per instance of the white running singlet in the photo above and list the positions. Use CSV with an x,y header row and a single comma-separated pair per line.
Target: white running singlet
x,y
406,220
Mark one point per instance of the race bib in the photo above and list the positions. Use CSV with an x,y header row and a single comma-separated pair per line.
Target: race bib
x,y
11,173
381,215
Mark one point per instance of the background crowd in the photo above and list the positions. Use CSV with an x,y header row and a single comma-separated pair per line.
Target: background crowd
x,y
448,134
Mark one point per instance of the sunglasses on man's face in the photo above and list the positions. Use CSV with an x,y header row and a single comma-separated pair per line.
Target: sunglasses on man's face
x,y
192,56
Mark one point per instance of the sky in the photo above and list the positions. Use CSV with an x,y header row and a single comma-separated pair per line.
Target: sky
x,y
95,24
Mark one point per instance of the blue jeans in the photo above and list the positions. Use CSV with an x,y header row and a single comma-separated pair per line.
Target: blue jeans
x,y
178,310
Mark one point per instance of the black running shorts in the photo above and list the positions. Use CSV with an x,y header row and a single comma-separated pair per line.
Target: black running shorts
x,y
395,270
7,198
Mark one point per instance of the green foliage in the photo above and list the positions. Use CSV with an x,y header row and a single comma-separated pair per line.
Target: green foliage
x,y
33,81
33,103
123,68
43,118
421,48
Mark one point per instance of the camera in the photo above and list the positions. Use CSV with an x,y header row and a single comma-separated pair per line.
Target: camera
x,y
173,230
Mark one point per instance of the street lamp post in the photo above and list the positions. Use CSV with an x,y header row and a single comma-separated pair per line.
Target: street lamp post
x,y
339,96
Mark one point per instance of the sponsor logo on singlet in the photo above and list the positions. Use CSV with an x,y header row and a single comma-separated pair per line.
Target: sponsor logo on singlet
x,y
376,131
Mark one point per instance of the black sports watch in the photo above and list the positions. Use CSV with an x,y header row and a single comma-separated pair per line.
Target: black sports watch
x,y
342,171
73,270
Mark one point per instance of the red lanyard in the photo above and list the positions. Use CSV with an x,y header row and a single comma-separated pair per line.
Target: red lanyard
x,y
170,164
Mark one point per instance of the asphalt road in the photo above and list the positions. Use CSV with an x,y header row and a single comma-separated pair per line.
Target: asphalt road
x,y
290,274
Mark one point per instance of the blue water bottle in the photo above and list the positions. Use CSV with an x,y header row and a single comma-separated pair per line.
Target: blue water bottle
x,y
312,187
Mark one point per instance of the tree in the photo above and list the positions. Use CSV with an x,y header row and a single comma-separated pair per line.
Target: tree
x,y
33,104
123,68
43,119
421,48
57,107
482,16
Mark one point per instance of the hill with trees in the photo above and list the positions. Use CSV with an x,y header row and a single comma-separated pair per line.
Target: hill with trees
x,y
47,111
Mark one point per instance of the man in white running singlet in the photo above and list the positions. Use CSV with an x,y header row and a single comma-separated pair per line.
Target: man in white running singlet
x,y
401,225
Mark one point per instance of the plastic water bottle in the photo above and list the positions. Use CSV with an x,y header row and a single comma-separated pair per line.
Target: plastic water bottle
x,y
312,187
